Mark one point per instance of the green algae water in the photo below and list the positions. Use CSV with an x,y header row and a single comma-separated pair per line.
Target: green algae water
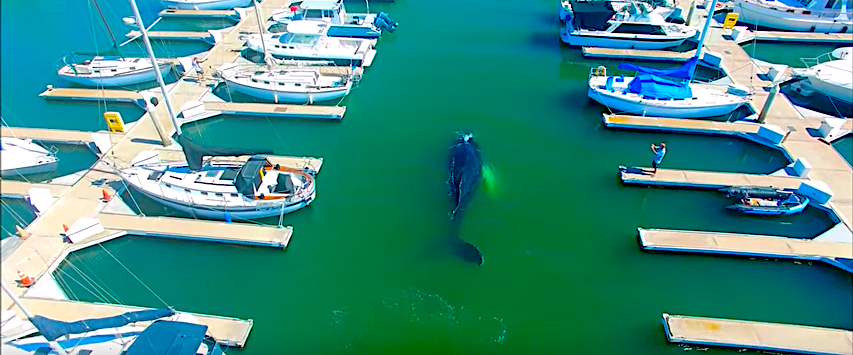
x,y
367,270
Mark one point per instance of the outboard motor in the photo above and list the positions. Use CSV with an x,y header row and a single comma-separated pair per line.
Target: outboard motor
x,y
384,22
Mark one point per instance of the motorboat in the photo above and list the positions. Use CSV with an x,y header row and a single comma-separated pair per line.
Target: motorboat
x,y
248,189
205,4
22,157
831,77
824,16
608,24
111,71
664,92
665,8
341,23
293,86
742,192
793,204
309,40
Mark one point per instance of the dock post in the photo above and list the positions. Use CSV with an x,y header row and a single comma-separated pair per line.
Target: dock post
x,y
767,103
151,107
690,12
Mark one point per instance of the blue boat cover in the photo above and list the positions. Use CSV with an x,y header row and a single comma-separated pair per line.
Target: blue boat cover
x,y
651,86
52,329
685,71
168,338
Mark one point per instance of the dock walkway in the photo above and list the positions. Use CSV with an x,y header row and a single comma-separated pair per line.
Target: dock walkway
x,y
703,179
45,244
838,254
757,335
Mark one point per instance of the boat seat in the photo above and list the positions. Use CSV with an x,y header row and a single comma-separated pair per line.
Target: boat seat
x,y
283,185
608,85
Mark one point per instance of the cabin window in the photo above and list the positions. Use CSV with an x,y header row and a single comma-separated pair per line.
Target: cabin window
x,y
830,4
807,12
187,190
211,173
314,14
791,11
281,84
96,71
642,29
219,194
297,84
266,82
328,13
254,80
235,195
167,185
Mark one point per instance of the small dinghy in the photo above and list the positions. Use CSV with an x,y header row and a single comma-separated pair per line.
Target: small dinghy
x,y
765,201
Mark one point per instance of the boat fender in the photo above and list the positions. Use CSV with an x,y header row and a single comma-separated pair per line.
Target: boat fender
x,y
261,196
277,167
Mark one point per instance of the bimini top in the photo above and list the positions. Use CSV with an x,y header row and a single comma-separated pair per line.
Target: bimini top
x,y
305,27
168,338
52,329
655,87
249,177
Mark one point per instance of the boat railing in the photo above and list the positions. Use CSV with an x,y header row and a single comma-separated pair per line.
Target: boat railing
x,y
806,11
823,58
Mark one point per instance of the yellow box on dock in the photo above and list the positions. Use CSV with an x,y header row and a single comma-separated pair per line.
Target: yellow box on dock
x,y
114,121
731,21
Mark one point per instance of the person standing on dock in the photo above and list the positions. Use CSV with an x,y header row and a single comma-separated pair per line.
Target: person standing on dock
x,y
198,69
659,152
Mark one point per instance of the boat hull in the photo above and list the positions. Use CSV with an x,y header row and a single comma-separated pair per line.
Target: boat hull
x,y
618,42
218,213
121,80
768,211
206,5
618,103
764,16
30,170
290,97
838,92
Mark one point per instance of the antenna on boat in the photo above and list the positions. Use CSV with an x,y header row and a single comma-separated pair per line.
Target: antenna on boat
x,y
53,344
144,32
113,38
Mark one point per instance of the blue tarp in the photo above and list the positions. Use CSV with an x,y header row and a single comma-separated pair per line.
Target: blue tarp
x,y
651,86
52,329
685,71
168,338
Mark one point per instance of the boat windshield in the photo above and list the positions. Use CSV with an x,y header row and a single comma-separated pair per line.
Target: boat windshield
x,y
249,178
298,38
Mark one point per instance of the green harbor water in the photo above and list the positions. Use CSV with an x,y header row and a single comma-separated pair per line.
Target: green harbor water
x,y
368,271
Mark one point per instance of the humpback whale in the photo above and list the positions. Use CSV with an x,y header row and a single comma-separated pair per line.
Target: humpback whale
x,y
466,173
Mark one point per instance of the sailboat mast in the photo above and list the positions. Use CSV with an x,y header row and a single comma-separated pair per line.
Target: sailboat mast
x,y
261,30
17,301
144,33
701,48
113,38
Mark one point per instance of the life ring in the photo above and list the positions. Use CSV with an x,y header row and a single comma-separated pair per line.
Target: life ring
x,y
600,71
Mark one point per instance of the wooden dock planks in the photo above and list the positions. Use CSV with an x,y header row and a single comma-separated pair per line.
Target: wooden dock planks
x,y
741,244
52,135
637,54
703,179
289,111
184,228
91,94
197,13
21,188
227,331
677,124
757,335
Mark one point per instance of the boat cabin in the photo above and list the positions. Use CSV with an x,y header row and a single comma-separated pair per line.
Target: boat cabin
x,y
302,33
295,78
332,11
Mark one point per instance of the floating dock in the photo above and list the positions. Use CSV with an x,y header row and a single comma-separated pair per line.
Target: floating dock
x,y
678,125
55,135
637,54
335,113
226,330
703,179
757,335
838,254
197,230
93,95
21,189
175,35
199,14
311,165
801,37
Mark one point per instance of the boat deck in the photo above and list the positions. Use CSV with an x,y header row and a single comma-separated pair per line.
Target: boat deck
x,y
747,245
703,179
278,110
45,244
311,164
226,330
757,335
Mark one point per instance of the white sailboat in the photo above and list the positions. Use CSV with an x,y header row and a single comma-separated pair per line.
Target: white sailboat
x,y
308,40
102,71
205,4
342,23
651,94
833,78
220,190
293,86
22,157
825,16
597,23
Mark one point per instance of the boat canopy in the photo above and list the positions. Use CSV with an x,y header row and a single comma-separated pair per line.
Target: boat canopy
x,y
249,177
168,338
685,71
655,87
592,14
52,329
195,153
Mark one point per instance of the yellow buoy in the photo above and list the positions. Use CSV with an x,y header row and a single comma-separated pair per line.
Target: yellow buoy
x,y
114,121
